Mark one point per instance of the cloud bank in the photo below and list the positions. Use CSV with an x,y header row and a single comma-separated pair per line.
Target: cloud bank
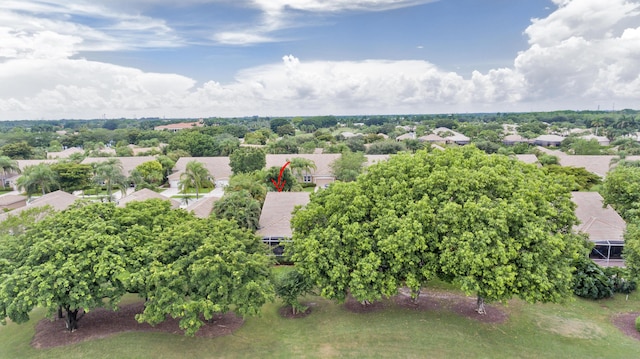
x,y
583,55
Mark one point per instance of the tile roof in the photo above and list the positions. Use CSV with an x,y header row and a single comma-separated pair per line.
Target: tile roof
x,y
218,167
128,163
9,199
59,200
203,207
275,219
600,223
145,194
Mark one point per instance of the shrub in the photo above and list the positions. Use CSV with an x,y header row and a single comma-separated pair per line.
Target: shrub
x,y
619,279
638,323
590,281
289,286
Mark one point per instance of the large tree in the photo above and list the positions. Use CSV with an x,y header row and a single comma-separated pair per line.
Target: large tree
x,y
621,189
239,206
204,267
71,260
247,159
496,226
348,166
73,176
195,176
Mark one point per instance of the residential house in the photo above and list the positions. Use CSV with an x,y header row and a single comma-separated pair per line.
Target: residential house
x,y
203,207
58,200
406,136
548,140
433,139
510,140
321,176
175,127
128,163
12,201
604,226
218,167
145,194
11,178
602,140
275,219
65,153
451,136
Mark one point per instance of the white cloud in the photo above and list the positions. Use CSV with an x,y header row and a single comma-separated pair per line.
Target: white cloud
x,y
568,65
29,20
283,14
584,50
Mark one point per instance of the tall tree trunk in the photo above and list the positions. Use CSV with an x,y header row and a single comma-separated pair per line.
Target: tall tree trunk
x,y
60,316
415,295
480,305
72,319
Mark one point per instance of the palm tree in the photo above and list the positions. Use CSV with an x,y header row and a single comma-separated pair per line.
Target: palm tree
x,y
38,176
195,176
7,165
109,172
301,165
250,182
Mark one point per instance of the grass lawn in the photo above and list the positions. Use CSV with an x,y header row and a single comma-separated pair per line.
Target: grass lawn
x,y
578,329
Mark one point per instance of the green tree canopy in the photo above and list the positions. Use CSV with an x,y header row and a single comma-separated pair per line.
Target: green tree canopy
x,y
621,189
247,159
496,226
239,206
73,176
18,150
348,166
71,260
251,182
204,267
290,182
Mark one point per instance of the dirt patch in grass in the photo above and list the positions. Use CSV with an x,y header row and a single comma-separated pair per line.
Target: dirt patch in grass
x,y
433,301
459,304
626,322
102,323
287,312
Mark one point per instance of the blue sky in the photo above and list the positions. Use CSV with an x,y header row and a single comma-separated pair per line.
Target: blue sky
x,y
202,58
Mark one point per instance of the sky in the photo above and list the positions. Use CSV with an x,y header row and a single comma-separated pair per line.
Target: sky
x,y
87,59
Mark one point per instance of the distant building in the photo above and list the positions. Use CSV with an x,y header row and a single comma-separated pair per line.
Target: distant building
x,y
175,127
548,140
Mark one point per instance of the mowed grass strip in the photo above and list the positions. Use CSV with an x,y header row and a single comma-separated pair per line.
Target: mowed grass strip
x,y
579,328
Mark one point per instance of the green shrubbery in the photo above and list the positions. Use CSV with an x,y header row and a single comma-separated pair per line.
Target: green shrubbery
x,y
638,323
594,282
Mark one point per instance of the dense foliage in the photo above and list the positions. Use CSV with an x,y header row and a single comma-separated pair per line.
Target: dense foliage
x,y
496,226
90,255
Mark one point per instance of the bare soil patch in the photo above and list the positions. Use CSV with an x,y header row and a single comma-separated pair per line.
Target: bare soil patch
x,y
626,322
459,304
434,301
102,323
287,312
